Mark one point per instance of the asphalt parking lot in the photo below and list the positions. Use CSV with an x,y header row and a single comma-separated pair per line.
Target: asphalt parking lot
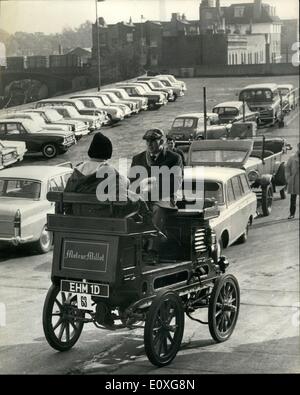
x,y
266,339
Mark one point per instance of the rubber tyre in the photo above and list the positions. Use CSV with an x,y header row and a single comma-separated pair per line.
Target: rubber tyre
x,y
224,309
165,302
281,123
49,330
266,197
244,236
49,150
44,244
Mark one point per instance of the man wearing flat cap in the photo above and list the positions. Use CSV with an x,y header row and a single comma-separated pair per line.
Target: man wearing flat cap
x,y
155,160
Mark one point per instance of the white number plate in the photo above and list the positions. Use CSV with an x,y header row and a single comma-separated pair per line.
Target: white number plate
x,y
84,302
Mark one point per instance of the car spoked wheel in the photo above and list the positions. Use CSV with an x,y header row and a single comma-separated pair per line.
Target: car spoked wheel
x,y
44,243
266,200
164,328
62,321
223,309
49,150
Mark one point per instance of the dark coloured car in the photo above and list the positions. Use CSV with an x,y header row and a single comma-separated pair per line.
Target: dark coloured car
x,y
49,143
234,111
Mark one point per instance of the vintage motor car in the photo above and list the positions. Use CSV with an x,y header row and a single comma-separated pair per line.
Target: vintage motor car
x,y
48,142
100,275
114,114
155,99
78,105
288,96
265,99
93,122
234,111
37,118
187,127
225,181
141,102
263,165
52,117
23,203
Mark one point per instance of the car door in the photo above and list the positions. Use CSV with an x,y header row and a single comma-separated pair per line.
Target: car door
x,y
237,209
14,131
232,211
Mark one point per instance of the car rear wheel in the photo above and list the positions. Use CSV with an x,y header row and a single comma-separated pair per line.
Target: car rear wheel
x,y
267,200
49,150
44,243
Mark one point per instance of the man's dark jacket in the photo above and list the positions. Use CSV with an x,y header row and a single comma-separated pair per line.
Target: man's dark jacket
x,y
165,158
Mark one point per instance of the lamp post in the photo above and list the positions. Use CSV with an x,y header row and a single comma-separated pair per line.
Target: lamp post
x,y
98,47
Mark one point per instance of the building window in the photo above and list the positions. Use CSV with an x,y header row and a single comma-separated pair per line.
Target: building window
x,y
236,59
239,12
129,37
153,43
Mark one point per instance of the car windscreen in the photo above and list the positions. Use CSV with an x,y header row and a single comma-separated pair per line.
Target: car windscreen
x,y
157,84
105,100
20,188
165,82
226,111
217,156
212,190
53,115
72,112
256,95
185,123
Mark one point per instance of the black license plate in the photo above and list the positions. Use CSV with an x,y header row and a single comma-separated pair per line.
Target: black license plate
x,y
79,287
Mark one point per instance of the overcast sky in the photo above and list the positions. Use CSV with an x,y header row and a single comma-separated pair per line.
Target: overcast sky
x,y
51,16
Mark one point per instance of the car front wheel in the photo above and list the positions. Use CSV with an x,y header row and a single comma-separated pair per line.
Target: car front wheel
x,y
49,150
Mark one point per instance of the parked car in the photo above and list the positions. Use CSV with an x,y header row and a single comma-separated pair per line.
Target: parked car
x,y
289,96
265,99
150,88
24,206
156,85
19,146
108,102
173,80
8,156
93,122
133,106
141,102
114,114
177,88
48,142
186,127
155,99
37,118
234,111
220,175
78,105
52,117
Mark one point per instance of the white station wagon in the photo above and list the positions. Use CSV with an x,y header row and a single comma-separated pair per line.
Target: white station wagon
x,y
24,206
224,181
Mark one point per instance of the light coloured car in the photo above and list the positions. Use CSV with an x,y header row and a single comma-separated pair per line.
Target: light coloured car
x,y
116,100
52,117
8,156
141,102
24,205
224,181
107,101
93,122
156,85
78,105
18,146
187,126
37,118
155,99
289,96
173,80
114,114
234,111
177,88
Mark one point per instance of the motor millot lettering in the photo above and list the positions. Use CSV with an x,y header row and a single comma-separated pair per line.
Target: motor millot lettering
x,y
84,255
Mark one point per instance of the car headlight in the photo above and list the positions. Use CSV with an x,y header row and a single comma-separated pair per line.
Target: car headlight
x,y
253,175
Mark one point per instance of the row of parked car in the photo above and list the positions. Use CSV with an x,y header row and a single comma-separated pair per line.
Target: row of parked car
x,y
54,125
51,127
